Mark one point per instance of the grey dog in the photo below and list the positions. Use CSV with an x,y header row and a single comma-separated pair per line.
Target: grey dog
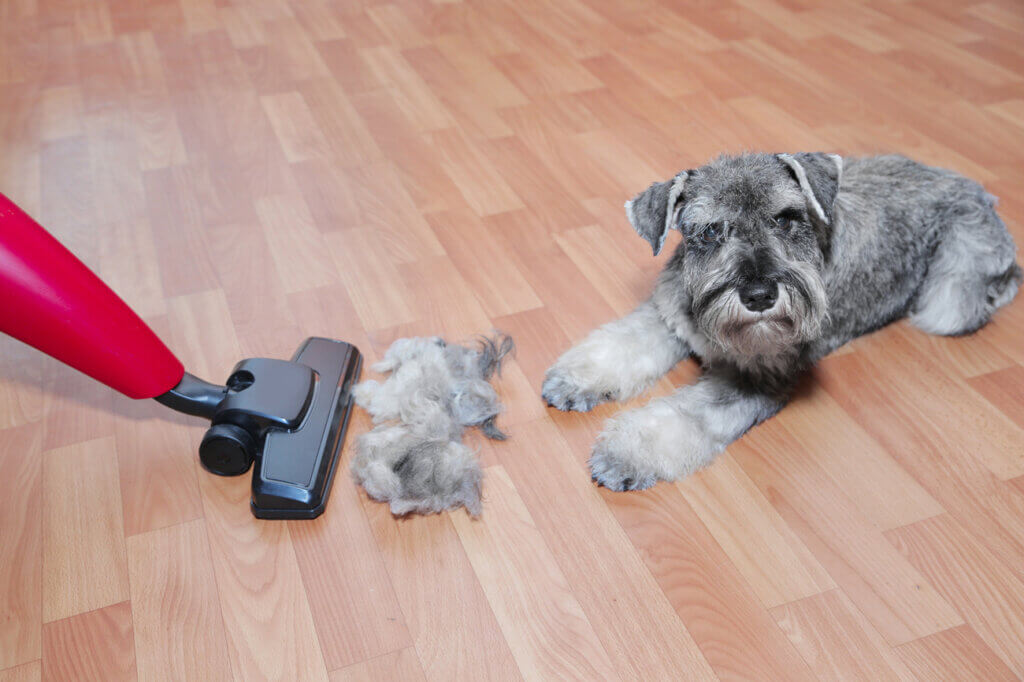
x,y
783,259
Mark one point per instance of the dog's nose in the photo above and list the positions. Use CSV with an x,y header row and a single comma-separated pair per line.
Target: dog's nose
x,y
759,295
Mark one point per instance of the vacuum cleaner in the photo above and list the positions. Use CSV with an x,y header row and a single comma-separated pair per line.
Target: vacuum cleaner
x,y
285,419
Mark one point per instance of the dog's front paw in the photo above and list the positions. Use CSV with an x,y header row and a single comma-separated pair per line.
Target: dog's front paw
x,y
621,459
561,390
616,469
642,446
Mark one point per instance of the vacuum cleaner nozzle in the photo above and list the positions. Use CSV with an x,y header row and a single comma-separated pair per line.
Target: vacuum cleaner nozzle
x,y
286,419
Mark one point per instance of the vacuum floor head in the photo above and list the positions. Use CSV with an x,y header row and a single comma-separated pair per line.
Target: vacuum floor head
x,y
288,418
285,419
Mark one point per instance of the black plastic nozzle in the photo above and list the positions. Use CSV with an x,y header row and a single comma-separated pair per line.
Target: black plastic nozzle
x,y
287,418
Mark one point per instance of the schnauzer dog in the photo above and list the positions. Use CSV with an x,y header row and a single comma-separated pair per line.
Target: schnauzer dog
x,y
783,259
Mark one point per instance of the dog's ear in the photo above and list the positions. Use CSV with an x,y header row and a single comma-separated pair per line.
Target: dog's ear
x,y
656,209
819,176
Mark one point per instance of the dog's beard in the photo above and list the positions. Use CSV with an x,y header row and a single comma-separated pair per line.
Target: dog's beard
x,y
797,316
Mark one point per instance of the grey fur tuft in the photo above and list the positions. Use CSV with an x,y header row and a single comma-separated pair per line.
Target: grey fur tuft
x,y
491,430
414,457
492,352
415,471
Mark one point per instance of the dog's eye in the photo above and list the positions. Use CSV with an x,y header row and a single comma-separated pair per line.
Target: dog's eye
x,y
711,233
785,220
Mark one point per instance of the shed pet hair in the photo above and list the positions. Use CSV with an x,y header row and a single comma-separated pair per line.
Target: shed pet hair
x,y
414,457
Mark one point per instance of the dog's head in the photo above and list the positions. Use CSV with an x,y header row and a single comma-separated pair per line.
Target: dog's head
x,y
756,231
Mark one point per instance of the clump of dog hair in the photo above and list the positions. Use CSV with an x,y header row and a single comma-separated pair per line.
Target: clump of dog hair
x,y
417,472
414,458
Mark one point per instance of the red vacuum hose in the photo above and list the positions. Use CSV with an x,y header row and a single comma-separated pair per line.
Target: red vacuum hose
x,y
51,301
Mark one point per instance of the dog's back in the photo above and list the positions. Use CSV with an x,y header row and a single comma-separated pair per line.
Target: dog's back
x,y
913,239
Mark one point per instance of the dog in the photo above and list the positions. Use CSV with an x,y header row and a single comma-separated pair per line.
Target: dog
x,y
783,259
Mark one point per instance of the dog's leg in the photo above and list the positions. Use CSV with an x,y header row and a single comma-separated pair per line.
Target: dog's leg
x,y
674,436
615,361
972,272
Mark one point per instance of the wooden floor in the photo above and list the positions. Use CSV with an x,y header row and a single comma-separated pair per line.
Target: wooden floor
x,y
249,172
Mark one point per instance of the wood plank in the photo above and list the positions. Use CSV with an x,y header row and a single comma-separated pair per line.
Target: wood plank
x,y
599,560
545,627
987,593
77,408
413,96
883,491
22,394
756,539
883,585
1005,390
179,631
718,607
837,641
501,287
955,654
477,178
371,279
21,552
83,532
930,443
436,587
255,295
61,109
358,618
156,458
27,672
348,138
127,254
622,284
400,665
181,244
296,245
267,618
299,136
97,645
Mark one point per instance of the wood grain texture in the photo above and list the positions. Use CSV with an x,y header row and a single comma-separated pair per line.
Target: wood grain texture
x,y
898,602
27,672
267,617
436,586
97,645
1005,390
954,654
837,641
342,544
545,627
179,630
718,607
83,534
988,594
596,557
21,553
247,173
159,487
400,665
757,540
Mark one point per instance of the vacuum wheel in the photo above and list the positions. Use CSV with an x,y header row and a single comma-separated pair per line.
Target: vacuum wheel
x,y
227,450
